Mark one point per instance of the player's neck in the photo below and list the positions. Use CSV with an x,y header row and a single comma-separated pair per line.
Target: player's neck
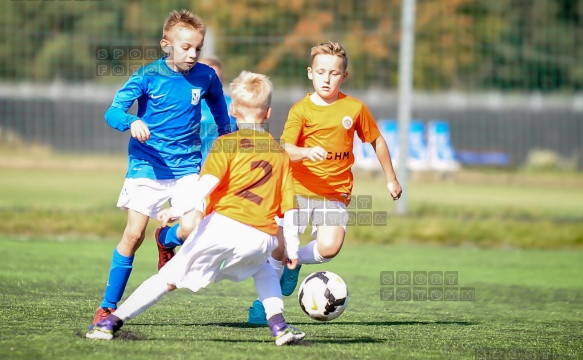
x,y
170,65
316,99
251,124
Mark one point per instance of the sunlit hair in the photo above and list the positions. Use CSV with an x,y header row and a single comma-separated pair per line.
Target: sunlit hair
x,y
329,48
212,61
185,18
251,93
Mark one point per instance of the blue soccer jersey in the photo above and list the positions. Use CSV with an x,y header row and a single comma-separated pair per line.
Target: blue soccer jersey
x,y
169,103
209,131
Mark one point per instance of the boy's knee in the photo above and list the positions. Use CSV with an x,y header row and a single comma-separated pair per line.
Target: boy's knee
x,y
132,238
329,251
184,230
188,224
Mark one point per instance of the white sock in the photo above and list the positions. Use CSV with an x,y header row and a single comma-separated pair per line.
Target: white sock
x,y
269,291
309,254
277,266
146,295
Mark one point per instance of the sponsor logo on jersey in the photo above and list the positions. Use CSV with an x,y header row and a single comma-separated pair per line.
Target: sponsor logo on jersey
x,y
347,122
342,155
195,96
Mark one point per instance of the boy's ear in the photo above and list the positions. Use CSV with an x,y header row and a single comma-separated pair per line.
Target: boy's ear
x,y
165,45
268,113
310,76
344,76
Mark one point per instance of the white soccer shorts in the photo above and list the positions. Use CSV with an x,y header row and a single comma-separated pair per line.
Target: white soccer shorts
x,y
320,211
148,196
220,249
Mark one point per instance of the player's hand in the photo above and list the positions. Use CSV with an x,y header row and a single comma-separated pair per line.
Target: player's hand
x,y
164,217
291,264
394,189
315,153
140,130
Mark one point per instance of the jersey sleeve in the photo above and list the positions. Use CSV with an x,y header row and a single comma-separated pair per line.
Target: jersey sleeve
x,y
217,163
366,127
117,115
215,99
293,126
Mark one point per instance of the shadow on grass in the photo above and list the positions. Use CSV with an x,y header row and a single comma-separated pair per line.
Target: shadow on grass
x,y
121,335
243,325
341,340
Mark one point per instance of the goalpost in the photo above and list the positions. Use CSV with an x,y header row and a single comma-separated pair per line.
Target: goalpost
x,y
405,97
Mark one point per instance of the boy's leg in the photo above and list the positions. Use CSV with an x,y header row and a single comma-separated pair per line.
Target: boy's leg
x,y
257,314
329,240
168,238
267,285
121,263
146,295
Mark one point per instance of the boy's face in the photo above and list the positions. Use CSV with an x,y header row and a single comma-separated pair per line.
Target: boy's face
x,y
327,73
183,46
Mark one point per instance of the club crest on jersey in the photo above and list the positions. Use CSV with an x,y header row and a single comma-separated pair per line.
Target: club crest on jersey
x,y
347,122
195,96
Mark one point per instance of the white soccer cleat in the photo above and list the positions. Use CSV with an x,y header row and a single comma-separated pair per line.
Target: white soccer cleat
x,y
290,335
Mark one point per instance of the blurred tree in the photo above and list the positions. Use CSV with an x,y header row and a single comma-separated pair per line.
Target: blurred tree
x,y
537,47
460,44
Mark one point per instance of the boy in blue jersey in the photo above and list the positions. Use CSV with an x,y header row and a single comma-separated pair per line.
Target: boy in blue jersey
x,y
164,148
208,134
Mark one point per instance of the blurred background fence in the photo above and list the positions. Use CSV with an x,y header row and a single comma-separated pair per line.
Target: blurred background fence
x,y
506,75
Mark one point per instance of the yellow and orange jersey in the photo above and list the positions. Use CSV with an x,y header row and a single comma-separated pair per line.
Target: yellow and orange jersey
x,y
331,127
255,183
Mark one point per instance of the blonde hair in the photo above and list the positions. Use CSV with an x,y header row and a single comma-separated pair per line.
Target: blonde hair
x,y
251,93
184,18
329,48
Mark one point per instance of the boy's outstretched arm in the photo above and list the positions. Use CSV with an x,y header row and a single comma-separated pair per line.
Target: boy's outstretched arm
x,y
384,156
215,100
297,153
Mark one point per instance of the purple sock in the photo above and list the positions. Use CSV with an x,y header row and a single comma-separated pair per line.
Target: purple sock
x,y
276,324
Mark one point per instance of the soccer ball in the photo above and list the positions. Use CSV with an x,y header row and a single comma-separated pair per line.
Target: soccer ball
x,y
323,295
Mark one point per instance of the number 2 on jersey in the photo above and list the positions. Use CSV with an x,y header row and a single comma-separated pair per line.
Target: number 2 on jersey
x,y
246,192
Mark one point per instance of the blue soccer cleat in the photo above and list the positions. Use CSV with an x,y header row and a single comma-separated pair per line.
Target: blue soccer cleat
x,y
257,314
289,280
105,329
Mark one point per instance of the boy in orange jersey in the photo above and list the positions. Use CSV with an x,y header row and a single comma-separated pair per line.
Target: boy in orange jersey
x,y
248,181
318,136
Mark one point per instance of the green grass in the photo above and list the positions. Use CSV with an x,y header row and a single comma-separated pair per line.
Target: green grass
x,y
526,302
68,196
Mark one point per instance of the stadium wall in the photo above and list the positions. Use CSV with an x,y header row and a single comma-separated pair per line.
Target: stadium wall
x,y
69,118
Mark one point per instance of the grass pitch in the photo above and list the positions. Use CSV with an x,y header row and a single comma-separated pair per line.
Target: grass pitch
x,y
527,304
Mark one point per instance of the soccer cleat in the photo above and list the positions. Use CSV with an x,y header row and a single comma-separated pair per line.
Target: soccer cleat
x,y
290,335
105,329
289,280
257,314
100,314
164,253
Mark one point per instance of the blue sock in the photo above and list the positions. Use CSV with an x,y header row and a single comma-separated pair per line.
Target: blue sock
x,y
169,238
119,274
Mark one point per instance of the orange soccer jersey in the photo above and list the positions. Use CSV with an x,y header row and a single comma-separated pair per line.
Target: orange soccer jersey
x,y
255,183
331,127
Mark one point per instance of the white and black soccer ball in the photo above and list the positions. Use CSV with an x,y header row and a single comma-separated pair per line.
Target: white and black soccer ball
x,y
323,295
